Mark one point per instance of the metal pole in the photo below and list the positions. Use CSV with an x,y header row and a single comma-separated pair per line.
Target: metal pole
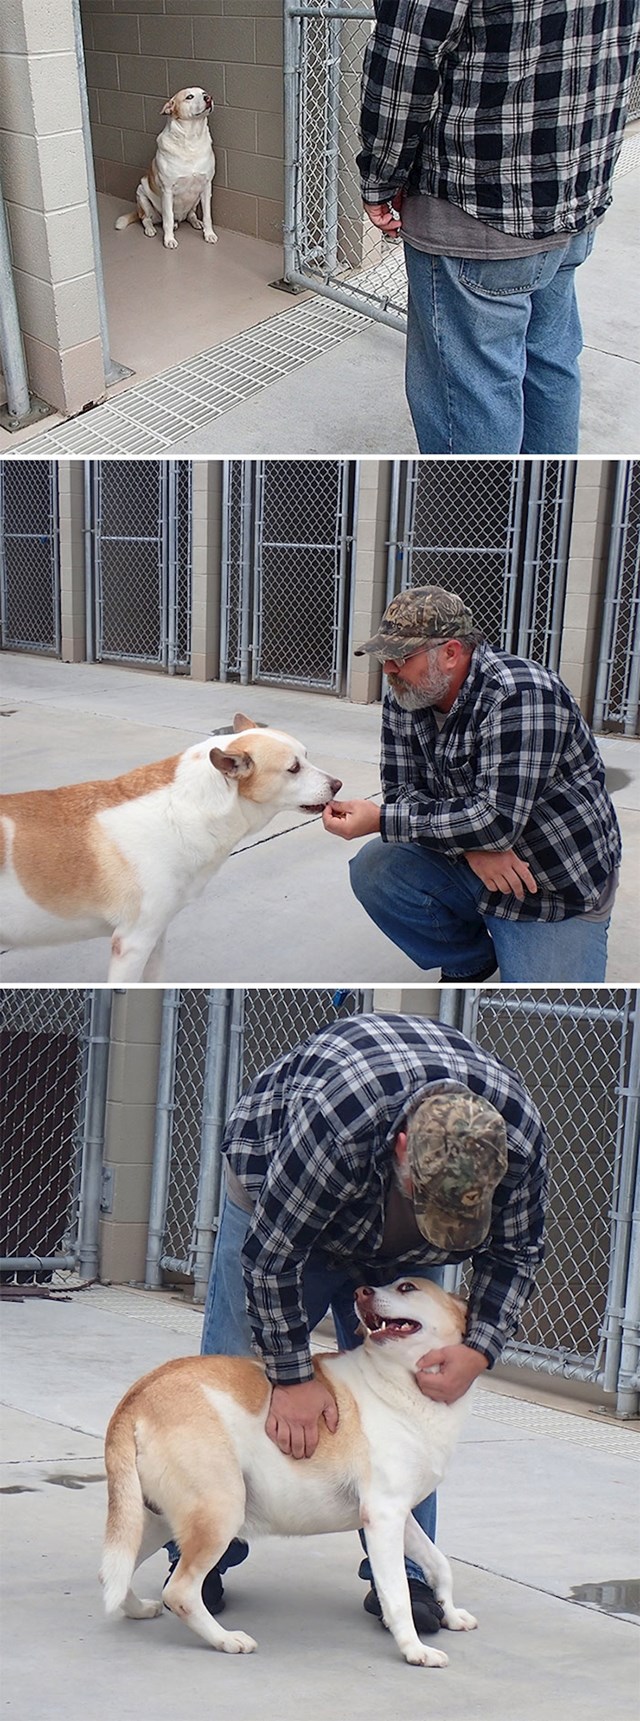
x,y
113,371
87,532
291,69
616,558
11,348
93,1134
552,657
351,576
333,142
627,1399
162,1136
451,1005
622,1195
245,573
512,553
171,563
531,556
213,1118
392,544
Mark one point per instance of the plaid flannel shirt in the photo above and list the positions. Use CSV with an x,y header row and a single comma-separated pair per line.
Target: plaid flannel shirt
x,y
512,109
311,1142
514,766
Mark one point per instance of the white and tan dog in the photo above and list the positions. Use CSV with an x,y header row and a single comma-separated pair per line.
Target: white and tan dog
x,y
181,174
187,1454
121,856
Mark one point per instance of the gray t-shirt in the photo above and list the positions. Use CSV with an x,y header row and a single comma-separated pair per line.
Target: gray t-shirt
x,y
441,228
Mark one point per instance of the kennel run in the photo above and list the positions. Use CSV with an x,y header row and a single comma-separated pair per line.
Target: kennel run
x,y
255,571
129,1191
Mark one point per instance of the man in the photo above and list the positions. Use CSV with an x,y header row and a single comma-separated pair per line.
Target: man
x,y
490,134
384,1146
498,845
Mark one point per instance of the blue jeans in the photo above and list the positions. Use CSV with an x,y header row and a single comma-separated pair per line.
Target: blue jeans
x,y
226,1330
428,906
493,350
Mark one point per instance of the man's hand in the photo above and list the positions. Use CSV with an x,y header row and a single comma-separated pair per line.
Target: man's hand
x,y
351,819
295,1413
386,216
501,869
455,1368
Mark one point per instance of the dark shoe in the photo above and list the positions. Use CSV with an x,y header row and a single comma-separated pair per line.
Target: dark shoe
x,y
212,1591
427,1612
468,979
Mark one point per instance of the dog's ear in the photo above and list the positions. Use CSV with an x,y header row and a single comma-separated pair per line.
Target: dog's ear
x,y
241,722
231,764
169,107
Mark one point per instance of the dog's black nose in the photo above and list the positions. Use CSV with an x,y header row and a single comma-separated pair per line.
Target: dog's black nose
x,y
336,785
365,1292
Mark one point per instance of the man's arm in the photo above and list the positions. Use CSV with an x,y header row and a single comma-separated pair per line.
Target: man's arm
x,y
400,78
504,1272
516,754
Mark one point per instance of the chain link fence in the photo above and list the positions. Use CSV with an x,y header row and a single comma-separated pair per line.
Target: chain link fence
x,y
44,1040
577,1053
29,556
213,1043
329,243
139,520
495,531
617,697
288,545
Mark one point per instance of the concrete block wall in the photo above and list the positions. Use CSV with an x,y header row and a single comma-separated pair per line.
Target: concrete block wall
x,y
129,1130
206,533
72,582
586,578
43,172
140,52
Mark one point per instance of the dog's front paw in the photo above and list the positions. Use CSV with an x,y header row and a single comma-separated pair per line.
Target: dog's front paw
x,y
171,244
211,238
457,1619
421,1656
238,1643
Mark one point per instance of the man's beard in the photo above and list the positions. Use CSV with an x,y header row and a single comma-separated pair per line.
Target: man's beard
x,y
431,691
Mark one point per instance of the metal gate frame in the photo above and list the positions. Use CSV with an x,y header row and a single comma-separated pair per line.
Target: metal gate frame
x,y
615,1366
377,288
535,549
174,590
51,647
79,1249
620,631
243,575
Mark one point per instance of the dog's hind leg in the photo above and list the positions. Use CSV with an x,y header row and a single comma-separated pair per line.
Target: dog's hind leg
x,y
154,966
384,1532
148,214
194,221
203,1538
155,1533
436,1568
131,951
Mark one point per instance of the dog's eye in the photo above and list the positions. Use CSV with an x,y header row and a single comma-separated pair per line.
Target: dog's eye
x,y
294,768
190,96
405,1286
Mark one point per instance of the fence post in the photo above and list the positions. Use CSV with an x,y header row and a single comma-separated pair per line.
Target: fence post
x,y
608,627
213,1119
628,1376
162,1136
93,1133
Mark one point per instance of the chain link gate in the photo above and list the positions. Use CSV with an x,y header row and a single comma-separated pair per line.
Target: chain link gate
x,y
617,696
579,1057
138,519
287,553
213,1043
329,243
495,531
53,1066
29,556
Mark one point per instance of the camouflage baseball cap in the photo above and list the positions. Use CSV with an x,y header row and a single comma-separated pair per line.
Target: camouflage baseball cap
x,y
415,616
457,1152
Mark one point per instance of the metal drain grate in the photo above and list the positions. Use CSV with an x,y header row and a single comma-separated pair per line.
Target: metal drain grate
x,y
146,420
540,1419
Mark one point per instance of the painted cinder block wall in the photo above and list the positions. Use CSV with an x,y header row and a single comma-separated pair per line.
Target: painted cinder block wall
x,y
44,179
139,52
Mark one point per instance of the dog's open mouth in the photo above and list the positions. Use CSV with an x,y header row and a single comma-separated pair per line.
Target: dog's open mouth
x,y
379,1328
317,808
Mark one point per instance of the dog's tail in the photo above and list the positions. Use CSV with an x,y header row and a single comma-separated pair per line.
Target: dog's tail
x,y
125,1516
128,220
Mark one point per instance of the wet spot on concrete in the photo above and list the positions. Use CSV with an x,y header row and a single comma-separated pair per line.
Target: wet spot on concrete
x,y
19,1488
617,1595
69,1480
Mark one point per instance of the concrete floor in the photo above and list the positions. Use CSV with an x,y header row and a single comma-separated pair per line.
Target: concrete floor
x,y
537,1503
68,722
165,306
